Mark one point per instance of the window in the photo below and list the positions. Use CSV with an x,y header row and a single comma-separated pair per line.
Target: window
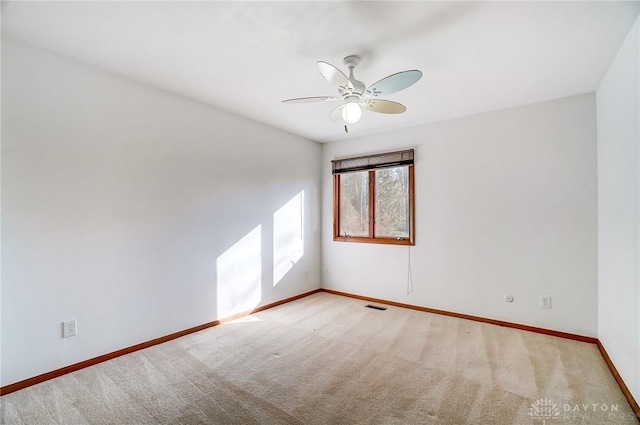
x,y
373,199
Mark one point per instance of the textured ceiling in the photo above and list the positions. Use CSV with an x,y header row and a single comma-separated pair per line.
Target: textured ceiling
x,y
245,57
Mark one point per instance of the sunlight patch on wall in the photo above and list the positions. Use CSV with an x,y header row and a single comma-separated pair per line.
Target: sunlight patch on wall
x,y
288,236
239,275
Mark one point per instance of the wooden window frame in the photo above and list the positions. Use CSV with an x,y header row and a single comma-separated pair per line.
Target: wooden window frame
x,y
371,238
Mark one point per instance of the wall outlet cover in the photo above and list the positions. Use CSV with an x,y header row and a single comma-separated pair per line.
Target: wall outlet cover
x,y
545,301
69,328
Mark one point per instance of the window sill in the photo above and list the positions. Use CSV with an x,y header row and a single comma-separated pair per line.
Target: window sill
x,y
382,241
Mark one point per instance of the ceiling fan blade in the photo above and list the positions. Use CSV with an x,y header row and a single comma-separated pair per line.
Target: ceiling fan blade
x,y
384,106
336,114
334,75
310,99
394,83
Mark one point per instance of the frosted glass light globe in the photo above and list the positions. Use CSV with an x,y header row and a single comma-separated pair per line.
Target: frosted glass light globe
x,y
352,112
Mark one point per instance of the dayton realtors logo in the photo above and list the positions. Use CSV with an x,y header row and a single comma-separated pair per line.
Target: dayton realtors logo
x,y
544,410
596,413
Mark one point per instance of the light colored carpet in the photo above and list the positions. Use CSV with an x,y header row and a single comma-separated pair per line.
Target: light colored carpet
x,y
326,359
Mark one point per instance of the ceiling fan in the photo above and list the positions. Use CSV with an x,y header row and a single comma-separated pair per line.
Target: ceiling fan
x,y
356,96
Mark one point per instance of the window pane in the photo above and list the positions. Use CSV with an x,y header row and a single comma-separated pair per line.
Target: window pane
x,y
392,203
354,204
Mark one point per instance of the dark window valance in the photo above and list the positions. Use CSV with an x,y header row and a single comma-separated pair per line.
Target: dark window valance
x,y
371,162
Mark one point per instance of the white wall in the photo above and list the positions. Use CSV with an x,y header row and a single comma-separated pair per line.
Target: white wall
x,y
138,213
505,204
618,106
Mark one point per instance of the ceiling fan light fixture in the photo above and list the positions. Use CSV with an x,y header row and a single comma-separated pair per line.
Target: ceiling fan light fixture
x,y
355,94
352,112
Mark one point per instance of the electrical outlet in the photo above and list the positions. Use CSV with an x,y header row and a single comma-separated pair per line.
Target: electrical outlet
x,y
69,328
545,301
